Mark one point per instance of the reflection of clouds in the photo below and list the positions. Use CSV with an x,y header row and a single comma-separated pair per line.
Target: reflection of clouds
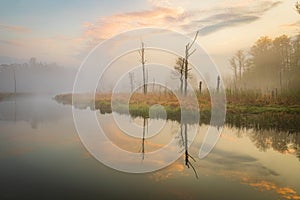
x,y
127,142
176,168
221,160
234,165
118,158
241,167
113,158
121,151
262,185
133,144
20,139
246,169
231,165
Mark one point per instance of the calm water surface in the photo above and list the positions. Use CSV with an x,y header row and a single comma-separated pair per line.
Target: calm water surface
x,y
41,156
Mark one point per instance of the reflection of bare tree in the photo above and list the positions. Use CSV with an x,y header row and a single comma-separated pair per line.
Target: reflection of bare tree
x,y
183,142
145,131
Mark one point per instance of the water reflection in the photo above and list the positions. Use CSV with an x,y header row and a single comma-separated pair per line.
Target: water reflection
x,y
243,163
34,109
264,140
277,121
283,142
246,163
183,142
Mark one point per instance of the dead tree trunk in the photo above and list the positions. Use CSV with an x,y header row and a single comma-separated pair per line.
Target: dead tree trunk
x,y
181,75
218,83
186,64
143,61
200,86
186,61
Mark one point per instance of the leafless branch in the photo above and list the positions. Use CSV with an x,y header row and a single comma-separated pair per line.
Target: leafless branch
x,y
193,40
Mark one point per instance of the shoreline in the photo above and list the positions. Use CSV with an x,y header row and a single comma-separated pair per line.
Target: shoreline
x,y
273,116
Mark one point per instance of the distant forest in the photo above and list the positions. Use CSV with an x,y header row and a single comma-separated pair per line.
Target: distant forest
x,y
36,77
270,64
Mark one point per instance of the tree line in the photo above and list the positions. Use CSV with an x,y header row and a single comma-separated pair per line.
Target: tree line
x,y
269,64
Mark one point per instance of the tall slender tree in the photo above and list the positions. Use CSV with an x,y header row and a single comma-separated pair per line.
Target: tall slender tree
x,y
188,53
145,73
233,65
240,56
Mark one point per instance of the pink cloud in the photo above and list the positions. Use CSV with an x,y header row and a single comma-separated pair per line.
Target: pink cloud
x,y
12,42
20,29
294,25
106,27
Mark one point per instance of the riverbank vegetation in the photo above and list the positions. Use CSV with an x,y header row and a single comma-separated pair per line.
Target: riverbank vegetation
x,y
263,111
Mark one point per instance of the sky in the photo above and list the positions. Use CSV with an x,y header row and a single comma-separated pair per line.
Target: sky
x,y
65,31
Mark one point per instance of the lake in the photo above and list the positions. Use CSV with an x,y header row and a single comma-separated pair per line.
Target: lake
x,y
42,156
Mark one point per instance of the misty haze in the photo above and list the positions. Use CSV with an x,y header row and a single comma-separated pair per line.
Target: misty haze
x,y
151,99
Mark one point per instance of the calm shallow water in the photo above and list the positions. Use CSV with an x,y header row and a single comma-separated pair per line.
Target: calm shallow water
x,y
41,156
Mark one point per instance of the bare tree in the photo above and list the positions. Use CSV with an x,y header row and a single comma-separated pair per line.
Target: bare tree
x,y
188,53
238,62
200,86
218,83
145,73
234,67
240,56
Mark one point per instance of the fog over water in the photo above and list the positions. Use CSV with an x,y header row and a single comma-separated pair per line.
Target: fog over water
x,y
36,78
